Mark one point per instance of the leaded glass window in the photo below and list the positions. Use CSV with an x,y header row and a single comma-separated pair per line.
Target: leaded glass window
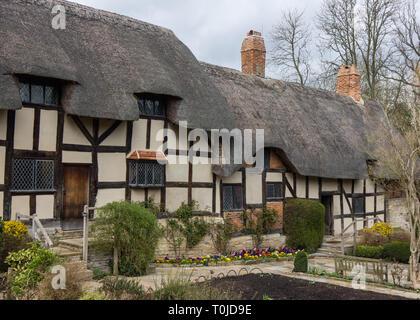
x,y
152,106
33,175
274,191
358,204
39,94
232,197
146,174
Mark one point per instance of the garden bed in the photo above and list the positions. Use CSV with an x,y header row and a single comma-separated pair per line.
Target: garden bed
x,y
239,257
276,287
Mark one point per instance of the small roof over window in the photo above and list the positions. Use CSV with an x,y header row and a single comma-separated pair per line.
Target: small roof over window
x,y
147,155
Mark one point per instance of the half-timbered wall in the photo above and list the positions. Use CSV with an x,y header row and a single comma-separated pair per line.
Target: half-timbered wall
x,y
103,145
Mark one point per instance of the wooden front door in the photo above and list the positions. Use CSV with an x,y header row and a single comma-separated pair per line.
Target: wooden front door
x,y
327,201
76,190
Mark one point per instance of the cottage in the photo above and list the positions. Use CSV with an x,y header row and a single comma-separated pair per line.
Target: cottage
x,y
81,109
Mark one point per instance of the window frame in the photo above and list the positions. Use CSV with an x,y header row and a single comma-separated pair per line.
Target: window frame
x,y
144,186
35,177
275,199
233,185
163,101
44,83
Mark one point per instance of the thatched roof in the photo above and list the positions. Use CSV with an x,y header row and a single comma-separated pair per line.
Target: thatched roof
x,y
322,133
109,57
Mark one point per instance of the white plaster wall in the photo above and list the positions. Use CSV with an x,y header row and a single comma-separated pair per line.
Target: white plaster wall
x,y
156,140
45,206
2,163
76,157
175,197
336,205
155,195
218,180
346,207
109,195
48,130
337,227
202,173
370,204
235,178
118,137
370,186
20,204
254,188
380,203
139,134
313,188
358,186
301,187
24,129
274,177
204,198
177,172
3,124
111,167
137,195
1,204
329,185
72,133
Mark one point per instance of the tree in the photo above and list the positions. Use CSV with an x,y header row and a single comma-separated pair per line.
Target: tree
x,y
397,157
291,39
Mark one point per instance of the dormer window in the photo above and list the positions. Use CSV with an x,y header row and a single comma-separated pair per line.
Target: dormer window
x,y
36,92
152,105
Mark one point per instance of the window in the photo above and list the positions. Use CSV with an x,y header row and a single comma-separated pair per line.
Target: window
x,y
274,191
146,174
33,175
232,197
39,94
358,204
152,106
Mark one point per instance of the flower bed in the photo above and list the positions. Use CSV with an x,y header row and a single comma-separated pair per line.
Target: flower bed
x,y
237,256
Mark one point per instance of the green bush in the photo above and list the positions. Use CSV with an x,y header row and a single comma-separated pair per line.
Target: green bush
x,y
28,267
397,251
133,230
304,224
221,235
1,236
369,252
122,289
301,262
98,274
258,223
92,295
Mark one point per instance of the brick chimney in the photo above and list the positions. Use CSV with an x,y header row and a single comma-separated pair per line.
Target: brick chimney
x,y
348,82
253,54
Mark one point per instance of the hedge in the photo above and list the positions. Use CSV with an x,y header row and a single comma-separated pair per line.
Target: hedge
x,y
397,251
304,224
369,252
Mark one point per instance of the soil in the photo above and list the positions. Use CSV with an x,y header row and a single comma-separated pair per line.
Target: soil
x,y
256,286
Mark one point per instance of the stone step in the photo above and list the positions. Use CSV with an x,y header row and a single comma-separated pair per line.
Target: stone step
x,y
74,243
68,254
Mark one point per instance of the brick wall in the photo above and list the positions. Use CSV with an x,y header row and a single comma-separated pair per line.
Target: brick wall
x,y
348,82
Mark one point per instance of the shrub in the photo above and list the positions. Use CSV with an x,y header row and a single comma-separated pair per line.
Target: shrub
x,y
2,235
12,244
28,267
121,289
92,295
194,229
369,252
221,235
397,251
15,229
73,289
371,239
130,228
173,234
400,236
301,262
304,224
98,274
258,223
382,228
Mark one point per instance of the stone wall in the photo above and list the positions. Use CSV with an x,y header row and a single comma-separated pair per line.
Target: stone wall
x,y
206,247
397,213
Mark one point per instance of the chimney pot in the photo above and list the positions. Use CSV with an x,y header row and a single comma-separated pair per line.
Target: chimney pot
x,y
253,54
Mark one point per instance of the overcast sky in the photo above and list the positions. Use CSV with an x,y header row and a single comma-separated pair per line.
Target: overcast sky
x,y
212,29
